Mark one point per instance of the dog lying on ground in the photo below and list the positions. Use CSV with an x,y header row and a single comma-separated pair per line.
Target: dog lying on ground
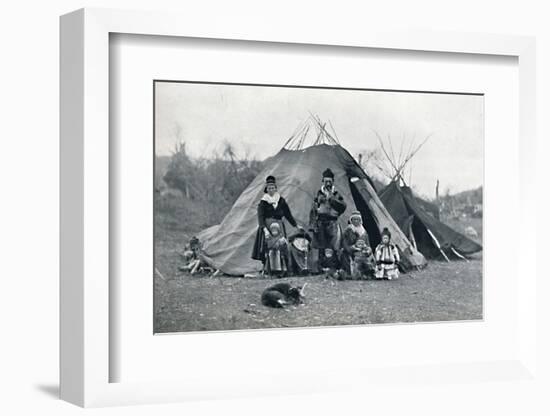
x,y
281,294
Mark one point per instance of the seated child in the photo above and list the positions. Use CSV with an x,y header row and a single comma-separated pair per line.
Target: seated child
x,y
299,252
387,258
277,251
192,255
363,263
330,264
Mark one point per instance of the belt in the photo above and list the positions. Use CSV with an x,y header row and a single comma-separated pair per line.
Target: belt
x,y
327,219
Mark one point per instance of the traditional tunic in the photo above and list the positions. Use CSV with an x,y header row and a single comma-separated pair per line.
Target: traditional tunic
x,y
387,259
327,207
269,212
299,252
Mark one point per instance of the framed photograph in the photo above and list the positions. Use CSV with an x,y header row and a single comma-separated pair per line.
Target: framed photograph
x,y
247,215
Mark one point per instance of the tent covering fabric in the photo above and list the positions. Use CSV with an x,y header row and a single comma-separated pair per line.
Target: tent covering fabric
x,y
228,246
410,213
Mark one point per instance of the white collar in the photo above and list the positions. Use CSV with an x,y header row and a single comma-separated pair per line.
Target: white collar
x,y
273,200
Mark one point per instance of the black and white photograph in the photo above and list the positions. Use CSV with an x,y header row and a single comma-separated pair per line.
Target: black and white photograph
x,y
282,206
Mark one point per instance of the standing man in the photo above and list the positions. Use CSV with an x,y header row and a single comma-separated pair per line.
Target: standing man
x,y
328,205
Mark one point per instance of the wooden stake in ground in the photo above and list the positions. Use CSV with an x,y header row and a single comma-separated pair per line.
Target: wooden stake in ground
x,y
159,274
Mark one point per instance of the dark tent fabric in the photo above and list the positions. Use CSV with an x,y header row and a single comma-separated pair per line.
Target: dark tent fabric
x,y
429,207
228,246
410,214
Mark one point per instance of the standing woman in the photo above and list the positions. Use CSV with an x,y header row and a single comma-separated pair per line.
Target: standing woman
x,y
272,208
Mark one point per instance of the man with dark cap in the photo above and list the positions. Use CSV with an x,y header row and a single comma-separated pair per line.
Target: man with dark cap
x,y
328,205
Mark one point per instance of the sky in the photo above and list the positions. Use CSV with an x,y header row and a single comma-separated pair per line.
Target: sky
x,y
259,120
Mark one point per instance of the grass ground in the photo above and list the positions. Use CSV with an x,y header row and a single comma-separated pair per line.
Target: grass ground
x,y
441,292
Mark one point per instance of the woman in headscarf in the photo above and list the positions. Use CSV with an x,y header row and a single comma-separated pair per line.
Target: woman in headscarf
x,y
271,208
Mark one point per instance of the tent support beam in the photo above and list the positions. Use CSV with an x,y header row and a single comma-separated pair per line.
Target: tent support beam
x,y
460,256
411,236
438,245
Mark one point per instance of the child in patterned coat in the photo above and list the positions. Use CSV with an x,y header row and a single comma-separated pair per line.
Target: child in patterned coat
x,y
277,251
387,258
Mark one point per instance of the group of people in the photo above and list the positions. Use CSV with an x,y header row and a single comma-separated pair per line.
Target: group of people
x,y
340,253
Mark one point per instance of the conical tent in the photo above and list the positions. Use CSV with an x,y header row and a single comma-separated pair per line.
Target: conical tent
x,y
228,246
431,237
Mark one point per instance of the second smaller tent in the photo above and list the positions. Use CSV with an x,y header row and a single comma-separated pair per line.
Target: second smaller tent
x,y
430,236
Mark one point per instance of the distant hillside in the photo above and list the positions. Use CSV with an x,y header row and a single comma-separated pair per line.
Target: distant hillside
x,y
466,203
471,197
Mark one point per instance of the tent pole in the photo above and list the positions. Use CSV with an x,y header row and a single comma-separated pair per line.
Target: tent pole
x,y
438,245
459,255
411,236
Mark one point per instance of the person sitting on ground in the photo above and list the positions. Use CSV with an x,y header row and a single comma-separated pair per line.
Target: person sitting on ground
x,y
277,252
330,265
299,247
192,256
363,263
357,258
387,258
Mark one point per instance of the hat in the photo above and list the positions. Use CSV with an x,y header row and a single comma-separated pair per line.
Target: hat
x,y
275,225
328,174
385,231
270,180
355,214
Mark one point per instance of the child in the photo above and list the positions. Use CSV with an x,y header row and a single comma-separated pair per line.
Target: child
x,y
191,256
299,252
277,251
330,265
387,258
363,262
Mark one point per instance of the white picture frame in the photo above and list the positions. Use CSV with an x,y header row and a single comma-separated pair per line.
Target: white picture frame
x,y
85,265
